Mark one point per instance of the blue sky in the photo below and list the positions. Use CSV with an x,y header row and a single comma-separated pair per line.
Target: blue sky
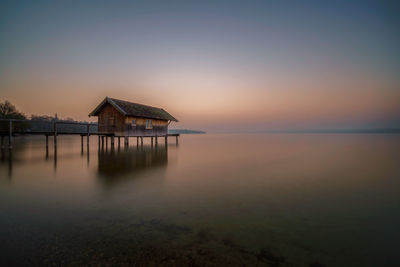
x,y
217,65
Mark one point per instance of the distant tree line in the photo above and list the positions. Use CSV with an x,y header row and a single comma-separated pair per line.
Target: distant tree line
x,y
9,111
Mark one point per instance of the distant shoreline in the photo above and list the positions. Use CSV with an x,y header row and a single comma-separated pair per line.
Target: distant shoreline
x,y
324,131
184,131
346,131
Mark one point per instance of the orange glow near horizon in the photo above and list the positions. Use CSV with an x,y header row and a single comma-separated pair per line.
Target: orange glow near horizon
x,y
201,100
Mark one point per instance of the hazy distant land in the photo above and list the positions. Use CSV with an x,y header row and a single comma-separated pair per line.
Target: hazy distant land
x,y
184,131
337,131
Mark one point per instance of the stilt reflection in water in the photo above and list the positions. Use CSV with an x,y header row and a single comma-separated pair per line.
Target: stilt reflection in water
x,y
55,158
113,167
7,156
10,160
88,153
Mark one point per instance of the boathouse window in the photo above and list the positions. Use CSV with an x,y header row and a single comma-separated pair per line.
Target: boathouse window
x,y
133,122
148,124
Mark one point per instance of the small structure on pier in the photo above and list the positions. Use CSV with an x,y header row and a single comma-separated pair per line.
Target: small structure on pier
x,y
123,118
116,118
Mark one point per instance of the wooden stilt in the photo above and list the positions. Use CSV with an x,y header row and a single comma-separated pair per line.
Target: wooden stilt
x,y
156,140
119,142
81,145
126,142
166,139
176,140
102,141
141,140
112,141
137,141
88,133
106,141
47,146
55,134
152,141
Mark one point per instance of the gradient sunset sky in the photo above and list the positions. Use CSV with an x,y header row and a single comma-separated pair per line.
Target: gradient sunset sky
x,y
219,66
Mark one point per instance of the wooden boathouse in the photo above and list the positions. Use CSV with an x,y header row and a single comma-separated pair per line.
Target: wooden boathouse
x,y
120,118
123,118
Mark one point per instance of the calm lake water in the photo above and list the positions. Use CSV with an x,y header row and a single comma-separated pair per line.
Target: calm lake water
x,y
222,200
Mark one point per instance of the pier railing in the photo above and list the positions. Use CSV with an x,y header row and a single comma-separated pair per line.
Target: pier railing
x,y
14,126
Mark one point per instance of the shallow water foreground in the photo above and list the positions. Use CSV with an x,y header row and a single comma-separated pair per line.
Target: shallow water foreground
x,y
214,200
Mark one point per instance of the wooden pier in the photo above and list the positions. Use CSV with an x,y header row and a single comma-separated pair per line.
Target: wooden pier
x,y
9,128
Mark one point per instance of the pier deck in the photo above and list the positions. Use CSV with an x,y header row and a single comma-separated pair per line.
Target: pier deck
x,y
11,128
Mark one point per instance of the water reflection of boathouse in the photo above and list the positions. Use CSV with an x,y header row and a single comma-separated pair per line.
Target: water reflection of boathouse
x,y
114,163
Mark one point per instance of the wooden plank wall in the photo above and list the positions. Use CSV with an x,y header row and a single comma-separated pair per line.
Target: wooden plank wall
x,y
159,127
105,120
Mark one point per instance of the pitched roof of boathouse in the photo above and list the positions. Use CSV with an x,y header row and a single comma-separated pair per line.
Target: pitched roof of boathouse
x,y
134,109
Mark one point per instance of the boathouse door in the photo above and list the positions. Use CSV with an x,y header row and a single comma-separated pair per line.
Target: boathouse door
x,y
111,125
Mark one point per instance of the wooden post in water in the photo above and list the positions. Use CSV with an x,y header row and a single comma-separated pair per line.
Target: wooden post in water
x,y
81,144
112,141
152,141
106,141
10,135
166,140
137,141
102,141
99,140
87,130
126,143
176,140
47,147
156,140
119,143
141,140
55,134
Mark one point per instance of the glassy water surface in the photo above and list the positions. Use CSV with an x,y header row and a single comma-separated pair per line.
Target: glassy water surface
x,y
256,200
